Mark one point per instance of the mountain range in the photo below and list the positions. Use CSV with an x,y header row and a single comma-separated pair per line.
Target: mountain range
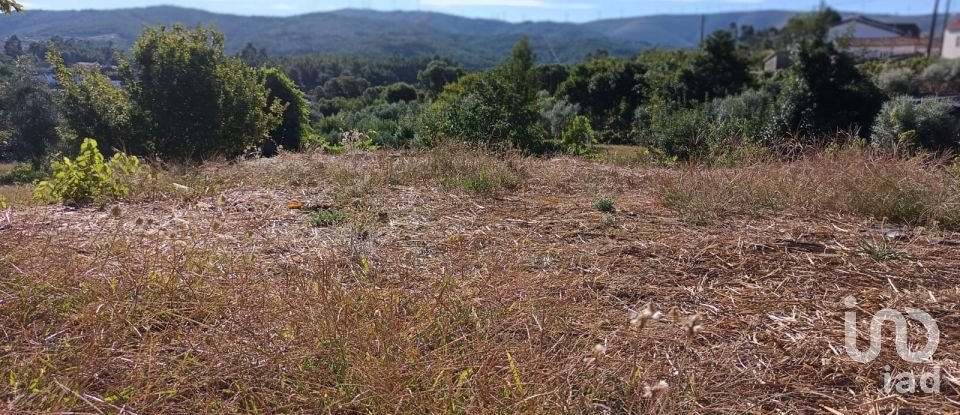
x,y
473,42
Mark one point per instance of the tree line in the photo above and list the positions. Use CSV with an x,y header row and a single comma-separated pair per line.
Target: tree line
x,y
184,99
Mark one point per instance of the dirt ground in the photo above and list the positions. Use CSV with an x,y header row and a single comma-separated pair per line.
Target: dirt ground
x,y
222,297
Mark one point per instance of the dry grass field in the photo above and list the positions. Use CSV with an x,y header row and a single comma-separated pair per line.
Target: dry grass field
x,y
452,281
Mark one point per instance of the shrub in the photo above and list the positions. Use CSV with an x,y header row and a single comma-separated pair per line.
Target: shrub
x,y
825,93
192,100
679,133
327,217
496,107
580,138
400,92
942,76
925,125
604,204
294,124
556,115
88,178
898,81
93,107
22,174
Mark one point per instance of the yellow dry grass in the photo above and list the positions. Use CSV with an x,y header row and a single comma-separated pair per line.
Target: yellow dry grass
x,y
442,295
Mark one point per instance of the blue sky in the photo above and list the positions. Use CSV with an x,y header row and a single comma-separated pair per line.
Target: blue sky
x,y
513,10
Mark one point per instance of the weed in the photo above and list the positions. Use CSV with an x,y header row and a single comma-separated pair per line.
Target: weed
x,y
88,178
604,204
327,218
882,250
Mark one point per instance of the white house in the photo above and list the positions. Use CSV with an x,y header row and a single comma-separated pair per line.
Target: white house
x,y
878,40
861,27
951,40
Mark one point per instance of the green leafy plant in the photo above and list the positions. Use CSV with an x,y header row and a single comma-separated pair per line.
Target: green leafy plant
x,y
580,138
328,217
88,178
927,124
604,204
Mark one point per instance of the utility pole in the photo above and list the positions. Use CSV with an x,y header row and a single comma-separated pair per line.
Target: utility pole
x,y
946,17
933,28
703,27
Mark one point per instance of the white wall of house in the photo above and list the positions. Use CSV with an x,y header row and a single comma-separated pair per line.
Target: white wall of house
x,y
951,44
859,30
885,52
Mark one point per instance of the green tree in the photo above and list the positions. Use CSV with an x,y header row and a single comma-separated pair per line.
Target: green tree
x,y
608,90
252,56
580,138
718,70
519,76
13,47
400,92
31,115
438,74
551,76
93,107
344,86
495,107
193,100
825,93
295,123
809,27
10,6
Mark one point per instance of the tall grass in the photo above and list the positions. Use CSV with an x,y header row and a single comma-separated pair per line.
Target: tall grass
x,y
921,190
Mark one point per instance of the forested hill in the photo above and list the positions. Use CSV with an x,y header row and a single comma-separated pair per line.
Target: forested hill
x,y
474,42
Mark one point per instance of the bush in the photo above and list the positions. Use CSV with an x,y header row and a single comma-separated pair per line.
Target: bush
x,y
327,218
400,92
193,101
677,133
898,81
942,76
580,138
739,120
604,204
496,107
93,107
825,93
88,178
925,125
556,115
22,174
295,122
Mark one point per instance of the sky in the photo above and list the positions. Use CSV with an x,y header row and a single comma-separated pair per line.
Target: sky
x,y
511,10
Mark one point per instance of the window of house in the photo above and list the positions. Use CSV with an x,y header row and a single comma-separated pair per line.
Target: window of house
x,y
958,41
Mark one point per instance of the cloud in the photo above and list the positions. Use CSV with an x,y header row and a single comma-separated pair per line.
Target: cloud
x,y
530,4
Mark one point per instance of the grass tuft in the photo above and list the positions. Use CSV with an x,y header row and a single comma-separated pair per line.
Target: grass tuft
x,y
604,204
327,217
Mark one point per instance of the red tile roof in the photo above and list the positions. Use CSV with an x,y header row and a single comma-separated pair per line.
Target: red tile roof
x,y
954,25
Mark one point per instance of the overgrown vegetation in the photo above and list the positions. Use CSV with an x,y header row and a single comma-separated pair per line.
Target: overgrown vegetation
x,y
854,180
89,178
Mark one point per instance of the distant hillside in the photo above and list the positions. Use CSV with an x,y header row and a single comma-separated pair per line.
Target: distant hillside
x,y
474,42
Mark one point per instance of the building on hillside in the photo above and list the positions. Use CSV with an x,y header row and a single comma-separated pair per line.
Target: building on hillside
x,y
873,39
777,61
893,48
951,40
